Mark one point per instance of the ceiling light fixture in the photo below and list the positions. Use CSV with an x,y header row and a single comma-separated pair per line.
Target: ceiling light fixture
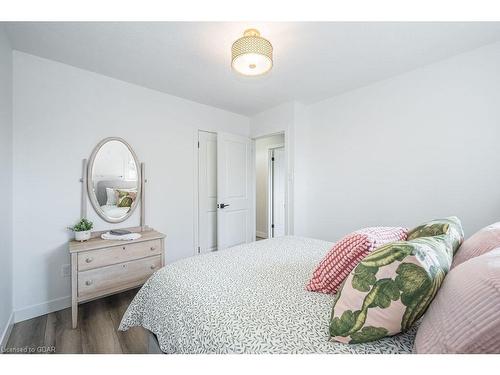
x,y
252,55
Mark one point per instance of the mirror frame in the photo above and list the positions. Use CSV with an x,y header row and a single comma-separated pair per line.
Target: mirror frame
x,y
90,182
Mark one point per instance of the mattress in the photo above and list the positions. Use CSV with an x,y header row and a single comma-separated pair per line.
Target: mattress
x,y
247,299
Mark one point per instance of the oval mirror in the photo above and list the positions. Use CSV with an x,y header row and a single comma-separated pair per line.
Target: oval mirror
x,y
113,180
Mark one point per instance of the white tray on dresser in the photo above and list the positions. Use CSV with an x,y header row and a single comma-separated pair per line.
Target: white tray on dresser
x,y
103,267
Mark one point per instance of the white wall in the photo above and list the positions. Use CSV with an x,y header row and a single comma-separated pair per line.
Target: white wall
x,y
261,180
60,114
5,185
275,120
422,145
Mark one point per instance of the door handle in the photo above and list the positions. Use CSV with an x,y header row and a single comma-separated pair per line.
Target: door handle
x,y
222,205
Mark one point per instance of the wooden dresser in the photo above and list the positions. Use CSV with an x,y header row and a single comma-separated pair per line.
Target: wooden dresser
x,y
103,267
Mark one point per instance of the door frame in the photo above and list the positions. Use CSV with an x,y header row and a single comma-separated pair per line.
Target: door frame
x,y
288,182
270,188
196,188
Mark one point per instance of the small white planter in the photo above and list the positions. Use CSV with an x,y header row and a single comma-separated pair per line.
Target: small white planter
x,y
82,236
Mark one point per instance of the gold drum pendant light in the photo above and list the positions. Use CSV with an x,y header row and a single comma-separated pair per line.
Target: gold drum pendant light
x,y
252,55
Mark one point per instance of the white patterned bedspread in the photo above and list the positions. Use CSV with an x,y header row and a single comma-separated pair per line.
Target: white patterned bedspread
x,y
246,299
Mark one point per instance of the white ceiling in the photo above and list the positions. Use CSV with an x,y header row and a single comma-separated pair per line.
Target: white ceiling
x,y
313,61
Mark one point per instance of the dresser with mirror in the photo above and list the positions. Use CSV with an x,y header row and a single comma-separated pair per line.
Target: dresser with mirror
x,y
114,182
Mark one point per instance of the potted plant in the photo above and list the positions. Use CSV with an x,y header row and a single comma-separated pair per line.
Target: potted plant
x,y
82,230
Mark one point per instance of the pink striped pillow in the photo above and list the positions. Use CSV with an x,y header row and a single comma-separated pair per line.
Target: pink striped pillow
x,y
464,318
347,253
479,243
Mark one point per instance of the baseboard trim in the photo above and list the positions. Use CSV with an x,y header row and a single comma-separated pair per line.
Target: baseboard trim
x,y
42,308
6,333
261,234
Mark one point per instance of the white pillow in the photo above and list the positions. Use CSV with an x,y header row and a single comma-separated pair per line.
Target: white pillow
x,y
111,194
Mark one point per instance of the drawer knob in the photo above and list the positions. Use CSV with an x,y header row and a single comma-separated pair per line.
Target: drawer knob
x,y
153,266
89,259
123,248
89,282
153,248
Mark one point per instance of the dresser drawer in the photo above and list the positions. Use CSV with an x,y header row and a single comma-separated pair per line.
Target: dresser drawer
x,y
117,254
119,276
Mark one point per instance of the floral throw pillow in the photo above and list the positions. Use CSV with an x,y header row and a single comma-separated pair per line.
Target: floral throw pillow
x,y
450,225
391,288
125,198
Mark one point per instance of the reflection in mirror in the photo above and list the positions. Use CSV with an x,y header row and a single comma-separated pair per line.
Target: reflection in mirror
x,y
114,180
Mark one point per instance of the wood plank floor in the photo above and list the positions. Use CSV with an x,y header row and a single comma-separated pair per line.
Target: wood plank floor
x,y
97,331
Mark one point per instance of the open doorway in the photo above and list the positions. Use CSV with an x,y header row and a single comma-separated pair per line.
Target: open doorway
x,y
270,186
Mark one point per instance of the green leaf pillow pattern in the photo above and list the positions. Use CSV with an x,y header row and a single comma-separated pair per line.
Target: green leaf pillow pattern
x,y
125,198
450,226
390,289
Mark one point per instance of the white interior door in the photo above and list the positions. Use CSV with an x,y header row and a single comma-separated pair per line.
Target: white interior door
x,y
278,192
207,191
234,192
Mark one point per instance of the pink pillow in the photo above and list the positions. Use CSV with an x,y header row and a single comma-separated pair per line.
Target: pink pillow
x,y
347,253
464,317
479,243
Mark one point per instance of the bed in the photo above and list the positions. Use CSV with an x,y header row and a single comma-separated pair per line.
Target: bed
x,y
247,299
